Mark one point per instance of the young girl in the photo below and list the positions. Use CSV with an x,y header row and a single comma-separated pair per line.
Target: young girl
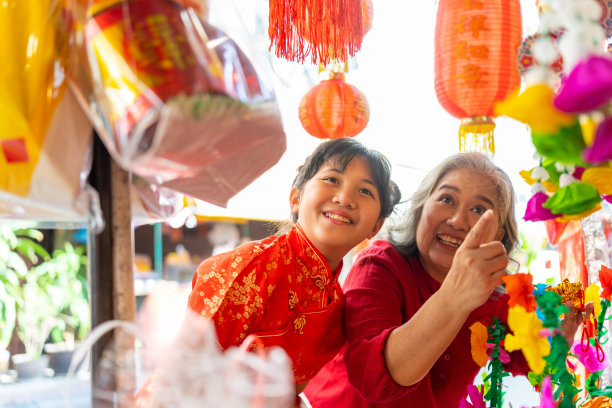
x,y
285,289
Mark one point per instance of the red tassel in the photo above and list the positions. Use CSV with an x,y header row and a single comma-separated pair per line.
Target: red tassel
x,y
333,29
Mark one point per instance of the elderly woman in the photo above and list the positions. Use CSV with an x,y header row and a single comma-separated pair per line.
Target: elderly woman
x,y
411,299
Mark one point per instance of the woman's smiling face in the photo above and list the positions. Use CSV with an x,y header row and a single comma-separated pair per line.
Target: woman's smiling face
x,y
452,209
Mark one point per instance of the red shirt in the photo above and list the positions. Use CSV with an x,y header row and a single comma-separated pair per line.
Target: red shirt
x,y
383,291
282,290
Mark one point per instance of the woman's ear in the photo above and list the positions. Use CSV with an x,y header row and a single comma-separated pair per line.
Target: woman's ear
x,y
500,234
294,200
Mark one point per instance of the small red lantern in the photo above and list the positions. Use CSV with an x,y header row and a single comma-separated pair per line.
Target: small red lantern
x,y
476,43
334,109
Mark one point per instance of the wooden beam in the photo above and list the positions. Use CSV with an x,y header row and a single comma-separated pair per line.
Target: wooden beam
x,y
112,282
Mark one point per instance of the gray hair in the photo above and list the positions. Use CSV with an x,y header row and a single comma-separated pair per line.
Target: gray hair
x,y
401,231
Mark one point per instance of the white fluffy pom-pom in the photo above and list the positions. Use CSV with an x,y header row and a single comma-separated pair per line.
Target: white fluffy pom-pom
x,y
566,180
539,173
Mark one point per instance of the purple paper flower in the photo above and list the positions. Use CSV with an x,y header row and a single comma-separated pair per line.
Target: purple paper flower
x,y
589,358
535,211
601,149
587,87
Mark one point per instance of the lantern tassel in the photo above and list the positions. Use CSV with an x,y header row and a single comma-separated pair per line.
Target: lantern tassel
x,y
476,135
332,27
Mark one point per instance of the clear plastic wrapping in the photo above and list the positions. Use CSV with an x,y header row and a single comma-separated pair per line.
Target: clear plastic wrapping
x,y
178,364
45,138
174,98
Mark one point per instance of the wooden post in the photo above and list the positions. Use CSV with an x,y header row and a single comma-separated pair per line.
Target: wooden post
x,y
112,282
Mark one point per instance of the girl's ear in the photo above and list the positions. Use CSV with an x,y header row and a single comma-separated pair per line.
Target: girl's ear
x,y
377,227
294,200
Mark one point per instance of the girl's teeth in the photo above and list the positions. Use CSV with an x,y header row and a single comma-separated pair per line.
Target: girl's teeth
x,y
338,218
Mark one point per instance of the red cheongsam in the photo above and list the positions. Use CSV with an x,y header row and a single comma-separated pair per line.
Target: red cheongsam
x,y
280,289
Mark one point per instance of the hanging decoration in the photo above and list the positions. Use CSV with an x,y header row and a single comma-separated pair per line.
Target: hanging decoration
x,y
334,29
476,44
367,13
334,109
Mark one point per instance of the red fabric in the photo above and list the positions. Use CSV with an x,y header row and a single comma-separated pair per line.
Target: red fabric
x,y
571,254
383,291
280,289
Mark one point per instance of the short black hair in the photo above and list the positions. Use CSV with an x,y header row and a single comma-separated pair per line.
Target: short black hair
x,y
341,151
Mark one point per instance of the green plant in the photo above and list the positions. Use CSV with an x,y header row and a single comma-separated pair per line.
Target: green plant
x,y
67,289
19,248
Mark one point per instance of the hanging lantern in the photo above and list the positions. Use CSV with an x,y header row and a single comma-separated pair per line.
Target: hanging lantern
x,y
334,109
476,44
334,29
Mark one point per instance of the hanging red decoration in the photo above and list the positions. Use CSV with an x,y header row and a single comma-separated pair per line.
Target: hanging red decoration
x,y
334,29
476,44
334,109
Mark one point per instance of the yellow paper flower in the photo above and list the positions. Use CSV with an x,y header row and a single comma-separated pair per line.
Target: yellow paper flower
x,y
535,108
526,174
526,327
592,295
478,340
600,177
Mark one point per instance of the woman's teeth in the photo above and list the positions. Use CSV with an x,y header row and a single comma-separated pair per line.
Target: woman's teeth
x,y
338,218
452,241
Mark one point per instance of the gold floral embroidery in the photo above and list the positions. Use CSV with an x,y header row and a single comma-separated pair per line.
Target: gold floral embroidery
x,y
299,324
293,300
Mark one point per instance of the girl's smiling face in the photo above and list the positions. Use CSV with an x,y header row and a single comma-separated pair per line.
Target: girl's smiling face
x,y
452,209
337,209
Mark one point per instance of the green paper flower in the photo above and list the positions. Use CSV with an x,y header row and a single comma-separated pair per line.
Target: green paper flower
x,y
574,198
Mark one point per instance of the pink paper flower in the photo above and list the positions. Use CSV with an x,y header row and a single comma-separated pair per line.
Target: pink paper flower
x,y
476,397
589,358
535,211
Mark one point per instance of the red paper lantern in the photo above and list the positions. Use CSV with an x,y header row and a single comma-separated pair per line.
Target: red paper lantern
x,y
476,43
334,109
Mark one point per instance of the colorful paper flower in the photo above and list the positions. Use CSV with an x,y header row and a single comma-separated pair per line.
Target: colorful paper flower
x,y
546,397
534,107
575,198
598,402
573,217
478,340
601,149
605,278
550,186
565,145
476,397
592,295
587,87
520,290
588,358
526,327
600,177
535,211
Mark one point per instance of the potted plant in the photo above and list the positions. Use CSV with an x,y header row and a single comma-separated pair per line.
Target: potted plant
x,y
19,248
67,288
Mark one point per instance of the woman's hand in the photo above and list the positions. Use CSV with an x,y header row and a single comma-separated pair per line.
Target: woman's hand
x,y
478,266
573,320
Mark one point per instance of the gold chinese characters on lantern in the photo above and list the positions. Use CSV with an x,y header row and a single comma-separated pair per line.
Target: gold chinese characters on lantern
x,y
334,109
476,44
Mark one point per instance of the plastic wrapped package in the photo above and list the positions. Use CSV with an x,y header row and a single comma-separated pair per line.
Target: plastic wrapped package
x,y
45,137
174,99
189,368
152,203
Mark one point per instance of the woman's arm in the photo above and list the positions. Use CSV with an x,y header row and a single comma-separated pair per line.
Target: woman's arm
x,y
478,265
